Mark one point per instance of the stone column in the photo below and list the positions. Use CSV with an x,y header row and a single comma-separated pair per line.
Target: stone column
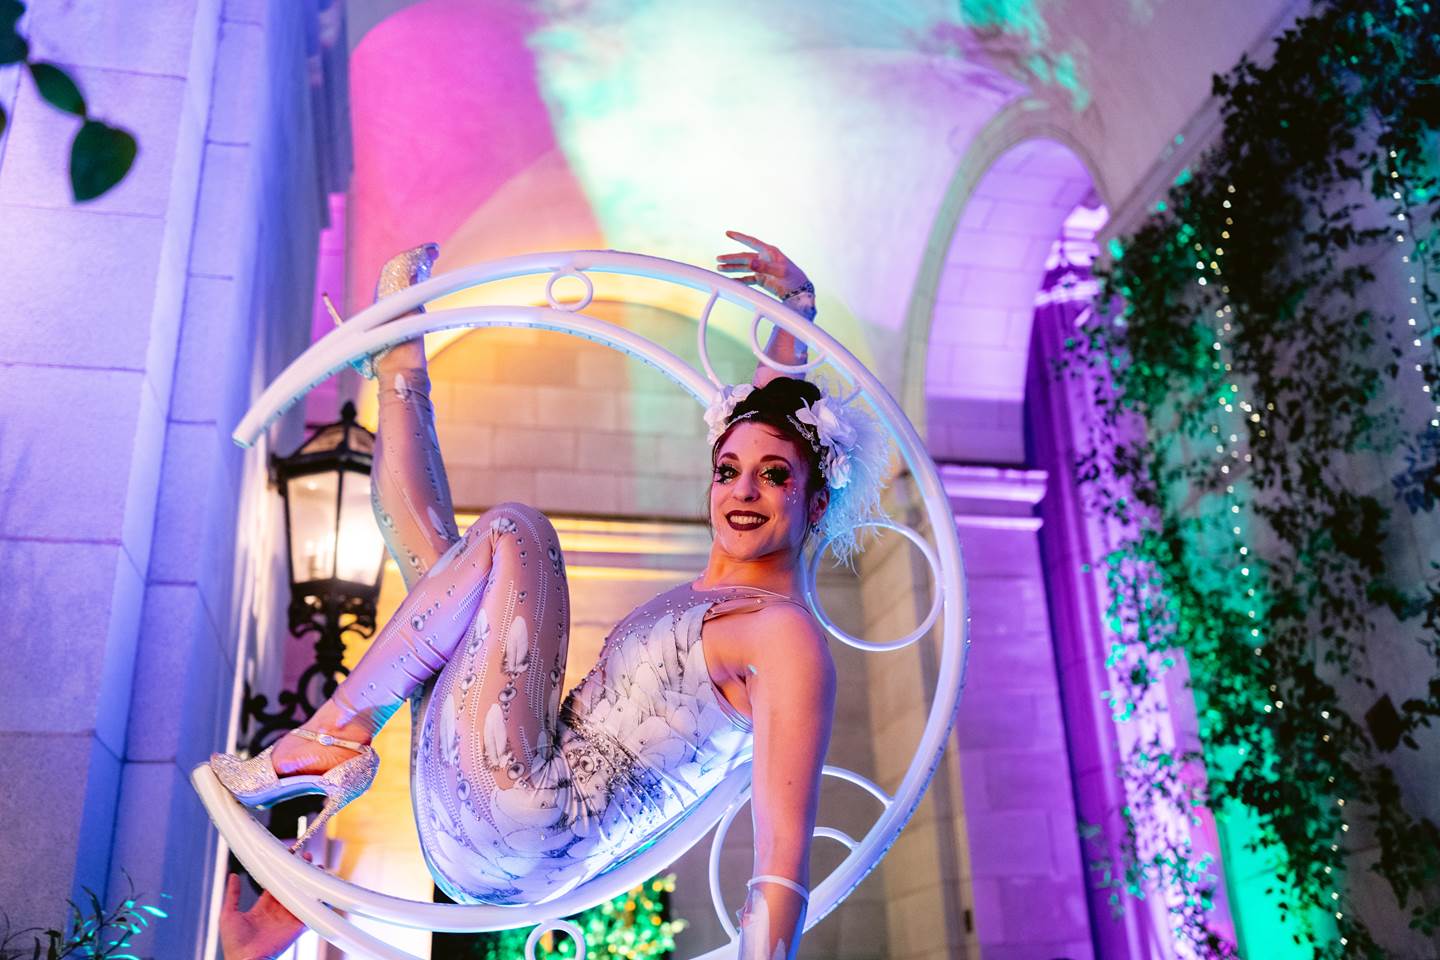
x,y
990,865
94,295
1027,878
1074,541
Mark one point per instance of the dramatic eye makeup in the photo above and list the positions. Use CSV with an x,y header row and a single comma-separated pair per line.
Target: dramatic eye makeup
x,y
777,474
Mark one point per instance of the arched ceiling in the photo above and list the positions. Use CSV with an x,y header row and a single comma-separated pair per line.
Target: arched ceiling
x,y
832,128
829,129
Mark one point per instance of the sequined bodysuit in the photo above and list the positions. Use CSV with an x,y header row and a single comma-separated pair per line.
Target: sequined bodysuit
x,y
517,797
642,737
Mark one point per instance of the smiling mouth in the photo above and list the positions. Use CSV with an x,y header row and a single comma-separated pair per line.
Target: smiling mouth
x,y
740,520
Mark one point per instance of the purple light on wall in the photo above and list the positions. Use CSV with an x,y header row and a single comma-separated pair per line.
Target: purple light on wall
x,y
1074,542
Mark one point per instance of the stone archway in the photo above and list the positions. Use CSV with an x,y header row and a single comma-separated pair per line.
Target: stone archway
x,y
980,333
1012,784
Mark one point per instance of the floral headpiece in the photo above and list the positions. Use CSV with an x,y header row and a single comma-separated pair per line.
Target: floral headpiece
x,y
854,458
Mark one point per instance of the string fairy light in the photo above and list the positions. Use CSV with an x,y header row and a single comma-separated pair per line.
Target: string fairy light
x,y
1407,262
1229,448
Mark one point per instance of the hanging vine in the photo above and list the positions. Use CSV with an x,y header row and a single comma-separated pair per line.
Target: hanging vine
x,y
1264,345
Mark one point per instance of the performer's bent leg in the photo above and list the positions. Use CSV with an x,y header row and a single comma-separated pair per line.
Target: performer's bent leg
x,y
445,605
485,765
508,544
506,681
408,486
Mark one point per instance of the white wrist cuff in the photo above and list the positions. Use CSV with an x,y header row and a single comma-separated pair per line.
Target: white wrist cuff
x,y
771,878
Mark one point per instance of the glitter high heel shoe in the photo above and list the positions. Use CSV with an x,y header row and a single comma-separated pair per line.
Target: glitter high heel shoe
x,y
405,269
255,783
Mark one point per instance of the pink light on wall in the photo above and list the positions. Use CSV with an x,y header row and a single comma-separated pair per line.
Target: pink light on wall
x,y
448,117
323,403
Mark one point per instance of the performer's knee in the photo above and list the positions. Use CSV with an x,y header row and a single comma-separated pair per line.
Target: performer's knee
x,y
524,516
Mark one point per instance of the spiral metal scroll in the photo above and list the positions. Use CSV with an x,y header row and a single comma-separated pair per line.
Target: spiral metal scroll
x,y
318,898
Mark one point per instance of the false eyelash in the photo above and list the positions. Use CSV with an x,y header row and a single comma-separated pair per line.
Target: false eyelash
x,y
726,472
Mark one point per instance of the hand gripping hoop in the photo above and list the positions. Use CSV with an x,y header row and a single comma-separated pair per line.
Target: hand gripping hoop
x,y
316,897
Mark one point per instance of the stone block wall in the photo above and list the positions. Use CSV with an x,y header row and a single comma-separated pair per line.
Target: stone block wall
x,y
137,327
574,427
94,303
990,864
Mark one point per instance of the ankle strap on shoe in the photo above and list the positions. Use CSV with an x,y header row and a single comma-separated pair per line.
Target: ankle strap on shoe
x,y
327,740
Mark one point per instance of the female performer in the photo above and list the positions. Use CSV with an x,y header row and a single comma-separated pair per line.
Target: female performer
x,y
519,797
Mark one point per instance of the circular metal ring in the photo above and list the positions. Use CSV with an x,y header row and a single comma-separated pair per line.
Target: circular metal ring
x,y
574,932
717,841
854,641
578,305
387,322
785,368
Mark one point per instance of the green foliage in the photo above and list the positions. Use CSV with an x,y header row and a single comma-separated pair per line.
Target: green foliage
x,y
632,925
100,155
91,932
99,158
57,88
13,47
1253,369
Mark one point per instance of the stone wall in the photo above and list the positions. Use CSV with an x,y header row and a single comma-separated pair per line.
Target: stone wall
x,y
136,328
990,865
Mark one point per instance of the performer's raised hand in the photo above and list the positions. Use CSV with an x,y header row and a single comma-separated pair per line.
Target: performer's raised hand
x,y
767,267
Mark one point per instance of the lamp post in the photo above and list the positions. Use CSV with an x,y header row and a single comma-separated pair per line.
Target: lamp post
x,y
336,558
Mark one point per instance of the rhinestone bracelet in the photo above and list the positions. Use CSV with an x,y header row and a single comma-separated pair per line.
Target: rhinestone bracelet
x,y
806,287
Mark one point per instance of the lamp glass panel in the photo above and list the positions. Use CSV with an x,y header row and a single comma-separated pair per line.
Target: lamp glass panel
x,y
361,545
311,501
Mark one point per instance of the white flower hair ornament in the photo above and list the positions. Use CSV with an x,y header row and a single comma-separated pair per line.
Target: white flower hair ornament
x,y
854,459
717,415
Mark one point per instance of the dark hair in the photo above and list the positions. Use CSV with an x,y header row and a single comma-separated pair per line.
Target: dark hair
x,y
773,405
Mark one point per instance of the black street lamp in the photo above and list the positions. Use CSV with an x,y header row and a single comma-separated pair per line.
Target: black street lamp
x,y
336,558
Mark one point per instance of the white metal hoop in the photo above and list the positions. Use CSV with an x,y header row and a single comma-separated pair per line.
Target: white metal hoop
x,y
574,932
789,370
578,305
316,896
851,639
722,829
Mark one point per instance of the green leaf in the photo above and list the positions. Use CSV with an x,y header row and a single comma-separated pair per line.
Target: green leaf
x,y
100,157
13,47
57,88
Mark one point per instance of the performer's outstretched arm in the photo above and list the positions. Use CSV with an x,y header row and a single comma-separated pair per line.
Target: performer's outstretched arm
x,y
792,694
767,267
408,486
